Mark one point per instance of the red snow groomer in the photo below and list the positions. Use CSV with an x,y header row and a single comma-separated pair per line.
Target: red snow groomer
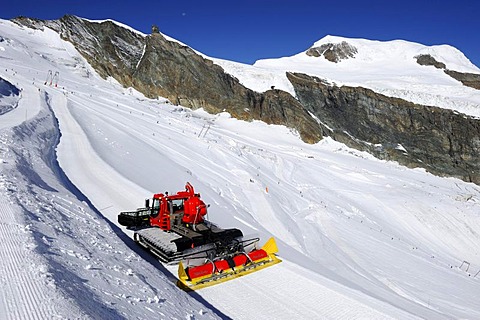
x,y
174,228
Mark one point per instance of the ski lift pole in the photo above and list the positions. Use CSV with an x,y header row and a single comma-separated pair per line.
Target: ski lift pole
x,y
55,78
201,131
49,77
206,131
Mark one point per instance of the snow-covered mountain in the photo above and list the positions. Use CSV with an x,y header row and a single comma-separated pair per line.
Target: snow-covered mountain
x,y
359,237
388,67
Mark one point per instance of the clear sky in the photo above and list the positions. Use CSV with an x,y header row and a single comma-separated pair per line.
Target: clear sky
x,y
248,30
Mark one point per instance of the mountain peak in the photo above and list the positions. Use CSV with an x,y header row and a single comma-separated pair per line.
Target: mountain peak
x,y
337,49
330,39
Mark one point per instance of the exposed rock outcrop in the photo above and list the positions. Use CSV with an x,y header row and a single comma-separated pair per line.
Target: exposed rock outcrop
x,y
442,141
467,79
334,52
176,72
428,60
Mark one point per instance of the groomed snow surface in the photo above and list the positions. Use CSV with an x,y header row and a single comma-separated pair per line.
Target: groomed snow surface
x,y
359,237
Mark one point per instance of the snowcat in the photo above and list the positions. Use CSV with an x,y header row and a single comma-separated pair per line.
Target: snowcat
x,y
174,228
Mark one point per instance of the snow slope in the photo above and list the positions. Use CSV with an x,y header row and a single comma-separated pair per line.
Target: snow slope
x,y
360,238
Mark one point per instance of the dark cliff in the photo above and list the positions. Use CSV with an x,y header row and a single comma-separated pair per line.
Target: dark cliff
x,y
442,141
176,72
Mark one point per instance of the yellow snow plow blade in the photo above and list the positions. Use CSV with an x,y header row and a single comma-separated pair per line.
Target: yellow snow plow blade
x,y
212,273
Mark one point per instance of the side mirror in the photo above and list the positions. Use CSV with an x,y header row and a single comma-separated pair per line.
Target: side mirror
x,y
147,203
208,205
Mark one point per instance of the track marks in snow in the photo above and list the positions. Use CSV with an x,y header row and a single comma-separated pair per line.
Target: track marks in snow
x,y
271,294
25,281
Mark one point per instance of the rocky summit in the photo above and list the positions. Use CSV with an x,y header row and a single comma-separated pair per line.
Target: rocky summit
x,y
333,52
444,142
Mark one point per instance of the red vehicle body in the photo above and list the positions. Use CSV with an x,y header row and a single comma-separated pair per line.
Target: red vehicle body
x,y
184,206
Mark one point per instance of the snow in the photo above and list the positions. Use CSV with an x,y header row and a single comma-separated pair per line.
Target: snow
x,y
359,237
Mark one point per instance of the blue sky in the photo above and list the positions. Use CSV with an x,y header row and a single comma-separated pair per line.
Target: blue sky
x,y
248,30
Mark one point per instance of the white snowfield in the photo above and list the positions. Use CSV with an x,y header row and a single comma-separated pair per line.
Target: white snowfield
x,y
359,238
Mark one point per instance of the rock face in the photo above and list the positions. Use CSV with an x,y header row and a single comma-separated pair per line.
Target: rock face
x,y
467,79
176,72
428,60
333,52
442,141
